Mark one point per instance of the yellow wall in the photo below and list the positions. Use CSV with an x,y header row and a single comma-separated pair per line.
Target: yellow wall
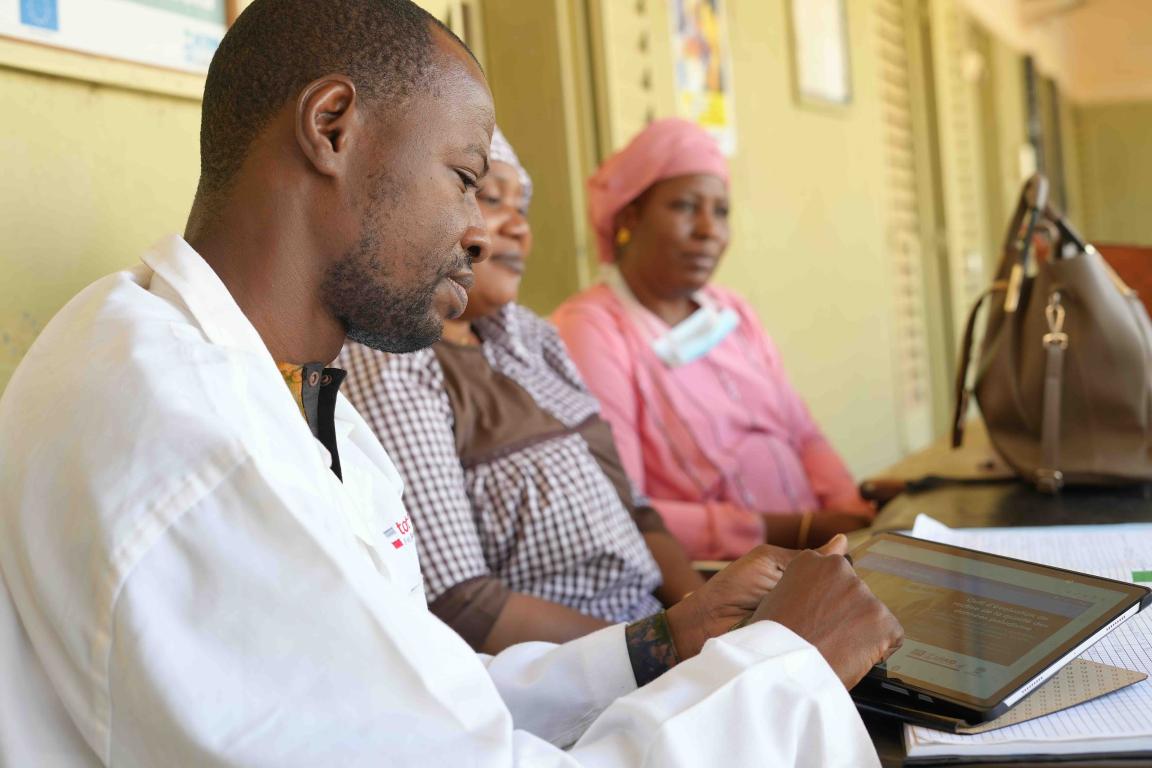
x,y
545,110
92,174
808,237
1115,157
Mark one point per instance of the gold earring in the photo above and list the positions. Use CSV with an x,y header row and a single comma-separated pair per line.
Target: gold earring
x,y
623,236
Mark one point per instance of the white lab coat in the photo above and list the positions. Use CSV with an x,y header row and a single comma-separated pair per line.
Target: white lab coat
x,y
187,583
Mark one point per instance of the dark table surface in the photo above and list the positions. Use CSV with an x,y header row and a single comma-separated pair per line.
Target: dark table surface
x,y
997,504
1014,503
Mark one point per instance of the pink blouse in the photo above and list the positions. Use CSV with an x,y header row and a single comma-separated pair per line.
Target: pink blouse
x,y
715,443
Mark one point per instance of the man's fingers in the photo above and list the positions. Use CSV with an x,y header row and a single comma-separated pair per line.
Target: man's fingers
x,y
773,555
837,545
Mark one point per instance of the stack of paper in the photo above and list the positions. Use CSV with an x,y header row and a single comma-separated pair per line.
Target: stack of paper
x,y
1117,723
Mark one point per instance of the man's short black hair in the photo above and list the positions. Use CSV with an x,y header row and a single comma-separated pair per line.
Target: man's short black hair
x,y
276,47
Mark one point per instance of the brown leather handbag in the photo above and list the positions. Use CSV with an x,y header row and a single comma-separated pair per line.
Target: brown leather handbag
x,y
1064,375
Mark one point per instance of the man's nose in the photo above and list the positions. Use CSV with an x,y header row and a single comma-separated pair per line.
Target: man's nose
x,y
477,242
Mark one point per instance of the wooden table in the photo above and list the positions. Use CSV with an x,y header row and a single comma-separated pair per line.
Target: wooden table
x,y
996,504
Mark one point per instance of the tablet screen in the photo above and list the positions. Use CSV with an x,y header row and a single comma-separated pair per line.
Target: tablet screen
x,y
977,626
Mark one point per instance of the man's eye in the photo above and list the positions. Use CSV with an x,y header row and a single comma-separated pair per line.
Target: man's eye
x,y
722,212
467,179
683,205
492,200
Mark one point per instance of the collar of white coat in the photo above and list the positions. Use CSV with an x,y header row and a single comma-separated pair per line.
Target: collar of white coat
x,y
211,305
204,294
222,321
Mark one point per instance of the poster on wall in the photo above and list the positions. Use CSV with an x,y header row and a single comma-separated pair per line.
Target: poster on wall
x,y
703,68
175,34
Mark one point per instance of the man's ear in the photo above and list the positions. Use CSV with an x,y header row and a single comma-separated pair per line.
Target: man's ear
x,y
326,121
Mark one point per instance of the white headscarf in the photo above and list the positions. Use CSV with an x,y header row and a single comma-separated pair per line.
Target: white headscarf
x,y
502,151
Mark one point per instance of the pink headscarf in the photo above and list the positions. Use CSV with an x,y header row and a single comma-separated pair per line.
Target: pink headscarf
x,y
665,149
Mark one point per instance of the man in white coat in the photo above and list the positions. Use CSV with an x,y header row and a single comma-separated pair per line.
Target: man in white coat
x,y
205,556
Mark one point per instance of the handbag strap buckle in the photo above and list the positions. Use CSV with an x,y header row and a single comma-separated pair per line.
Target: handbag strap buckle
x,y
1054,314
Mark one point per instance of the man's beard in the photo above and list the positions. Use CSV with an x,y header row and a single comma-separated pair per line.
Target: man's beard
x,y
375,310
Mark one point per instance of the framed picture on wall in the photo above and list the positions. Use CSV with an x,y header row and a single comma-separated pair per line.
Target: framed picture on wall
x,y
178,35
821,63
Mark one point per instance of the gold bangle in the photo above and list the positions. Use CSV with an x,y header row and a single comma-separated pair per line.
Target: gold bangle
x,y
741,624
802,536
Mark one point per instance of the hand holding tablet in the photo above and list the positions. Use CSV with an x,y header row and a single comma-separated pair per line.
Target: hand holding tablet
x,y
820,598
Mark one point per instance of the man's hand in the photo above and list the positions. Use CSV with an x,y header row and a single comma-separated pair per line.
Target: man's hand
x,y
732,595
822,599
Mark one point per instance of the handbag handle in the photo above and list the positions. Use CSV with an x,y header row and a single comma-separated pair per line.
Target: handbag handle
x,y
1067,233
962,391
1017,251
1031,206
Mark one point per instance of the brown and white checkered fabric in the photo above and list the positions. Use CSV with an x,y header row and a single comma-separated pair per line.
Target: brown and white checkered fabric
x,y
544,519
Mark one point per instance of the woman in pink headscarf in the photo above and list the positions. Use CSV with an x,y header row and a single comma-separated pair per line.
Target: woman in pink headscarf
x,y
704,417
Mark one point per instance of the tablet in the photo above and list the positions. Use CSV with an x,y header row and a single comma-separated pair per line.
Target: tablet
x,y
981,631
